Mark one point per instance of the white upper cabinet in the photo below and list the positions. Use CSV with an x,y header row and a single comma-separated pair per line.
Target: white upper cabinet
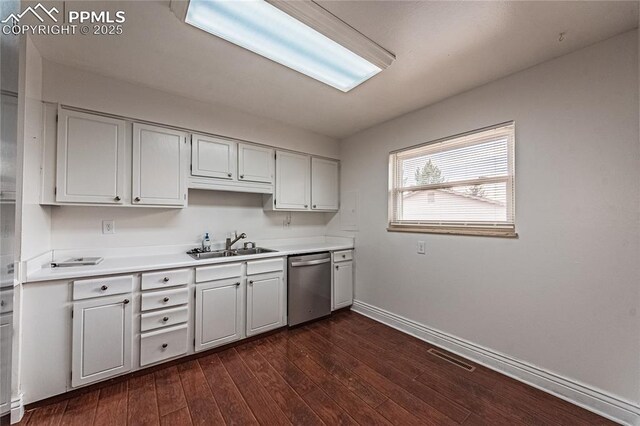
x,y
255,163
213,157
90,158
102,334
293,184
159,166
324,184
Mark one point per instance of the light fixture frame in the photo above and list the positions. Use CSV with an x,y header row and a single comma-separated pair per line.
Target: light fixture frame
x,y
316,17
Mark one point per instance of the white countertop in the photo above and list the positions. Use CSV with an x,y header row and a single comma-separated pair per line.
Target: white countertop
x,y
124,261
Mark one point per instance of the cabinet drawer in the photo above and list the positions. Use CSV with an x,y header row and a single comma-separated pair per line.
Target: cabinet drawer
x,y
264,266
342,256
165,279
6,300
218,272
163,344
165,317
164,299
85,289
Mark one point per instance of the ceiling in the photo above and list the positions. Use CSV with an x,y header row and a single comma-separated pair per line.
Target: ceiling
x,y
442,48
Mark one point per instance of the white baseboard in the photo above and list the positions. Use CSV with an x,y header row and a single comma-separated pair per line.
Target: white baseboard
x,y
587,397
17,409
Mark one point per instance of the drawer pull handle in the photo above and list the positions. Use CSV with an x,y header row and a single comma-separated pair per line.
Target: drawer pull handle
x,y
125,301
344,255
238,284
165,319
104,287
165,279
164,345
166,299
1,302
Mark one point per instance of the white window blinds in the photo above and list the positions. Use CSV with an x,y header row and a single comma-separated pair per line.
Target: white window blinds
x,y
462,184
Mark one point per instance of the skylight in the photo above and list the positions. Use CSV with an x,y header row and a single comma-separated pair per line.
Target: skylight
x,y
268,31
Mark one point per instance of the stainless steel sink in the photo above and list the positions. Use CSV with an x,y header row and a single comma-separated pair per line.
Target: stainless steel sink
x,y
256,250
211,254
199,254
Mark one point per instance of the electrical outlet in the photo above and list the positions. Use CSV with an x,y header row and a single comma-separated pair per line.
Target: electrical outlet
x,y
108,226
421,247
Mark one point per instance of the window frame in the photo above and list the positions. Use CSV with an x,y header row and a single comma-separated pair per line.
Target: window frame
x,y
481,228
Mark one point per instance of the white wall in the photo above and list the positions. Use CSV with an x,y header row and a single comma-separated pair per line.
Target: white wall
x,y
212,211
565,295
216,212
35,234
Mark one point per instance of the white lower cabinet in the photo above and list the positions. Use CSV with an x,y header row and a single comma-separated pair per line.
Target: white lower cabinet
x,y
102,335
342,279
218,313
265,303
6,334
163,344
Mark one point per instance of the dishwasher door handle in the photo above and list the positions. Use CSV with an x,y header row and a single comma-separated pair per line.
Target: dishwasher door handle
x,y
310,262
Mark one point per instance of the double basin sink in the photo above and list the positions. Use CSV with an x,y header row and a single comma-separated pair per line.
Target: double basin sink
x,y
199,255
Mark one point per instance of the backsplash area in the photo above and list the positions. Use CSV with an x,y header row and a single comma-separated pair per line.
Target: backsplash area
x,y
215,212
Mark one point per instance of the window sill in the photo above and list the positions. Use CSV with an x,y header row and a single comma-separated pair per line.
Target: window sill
x,y
500,233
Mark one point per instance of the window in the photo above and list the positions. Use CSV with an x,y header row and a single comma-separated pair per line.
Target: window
x,y
458,185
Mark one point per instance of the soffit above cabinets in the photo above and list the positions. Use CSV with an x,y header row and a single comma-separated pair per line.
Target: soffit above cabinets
x,y
441,48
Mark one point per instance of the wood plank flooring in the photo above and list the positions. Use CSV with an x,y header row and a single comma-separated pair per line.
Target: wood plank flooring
x,y
345,370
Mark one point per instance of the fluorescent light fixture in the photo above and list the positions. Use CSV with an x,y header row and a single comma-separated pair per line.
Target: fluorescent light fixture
x,y
266,30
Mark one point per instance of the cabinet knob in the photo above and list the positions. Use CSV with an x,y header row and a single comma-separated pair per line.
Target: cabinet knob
x,y
137,199
344,256
166,299
337,267
241,176
251,282
314,206
104,287
165,319
117,198
164,345
238,284
229,174
1,302
165,279
306,205
125,301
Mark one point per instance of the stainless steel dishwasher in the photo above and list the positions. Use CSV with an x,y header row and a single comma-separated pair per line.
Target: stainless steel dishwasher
x,y
309,287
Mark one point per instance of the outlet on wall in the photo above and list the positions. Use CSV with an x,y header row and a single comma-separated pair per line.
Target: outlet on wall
x,y
108,226
421,247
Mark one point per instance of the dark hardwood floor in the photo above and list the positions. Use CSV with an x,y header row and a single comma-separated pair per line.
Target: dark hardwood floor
x,y
344,370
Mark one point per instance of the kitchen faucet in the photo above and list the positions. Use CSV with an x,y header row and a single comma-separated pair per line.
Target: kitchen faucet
x,y
228,243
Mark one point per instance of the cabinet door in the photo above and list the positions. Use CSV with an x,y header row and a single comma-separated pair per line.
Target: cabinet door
x,y
265,303
293,181
159,166
90,158
255,163
324,184
342,284
213,157
6,334
101,339
218,313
